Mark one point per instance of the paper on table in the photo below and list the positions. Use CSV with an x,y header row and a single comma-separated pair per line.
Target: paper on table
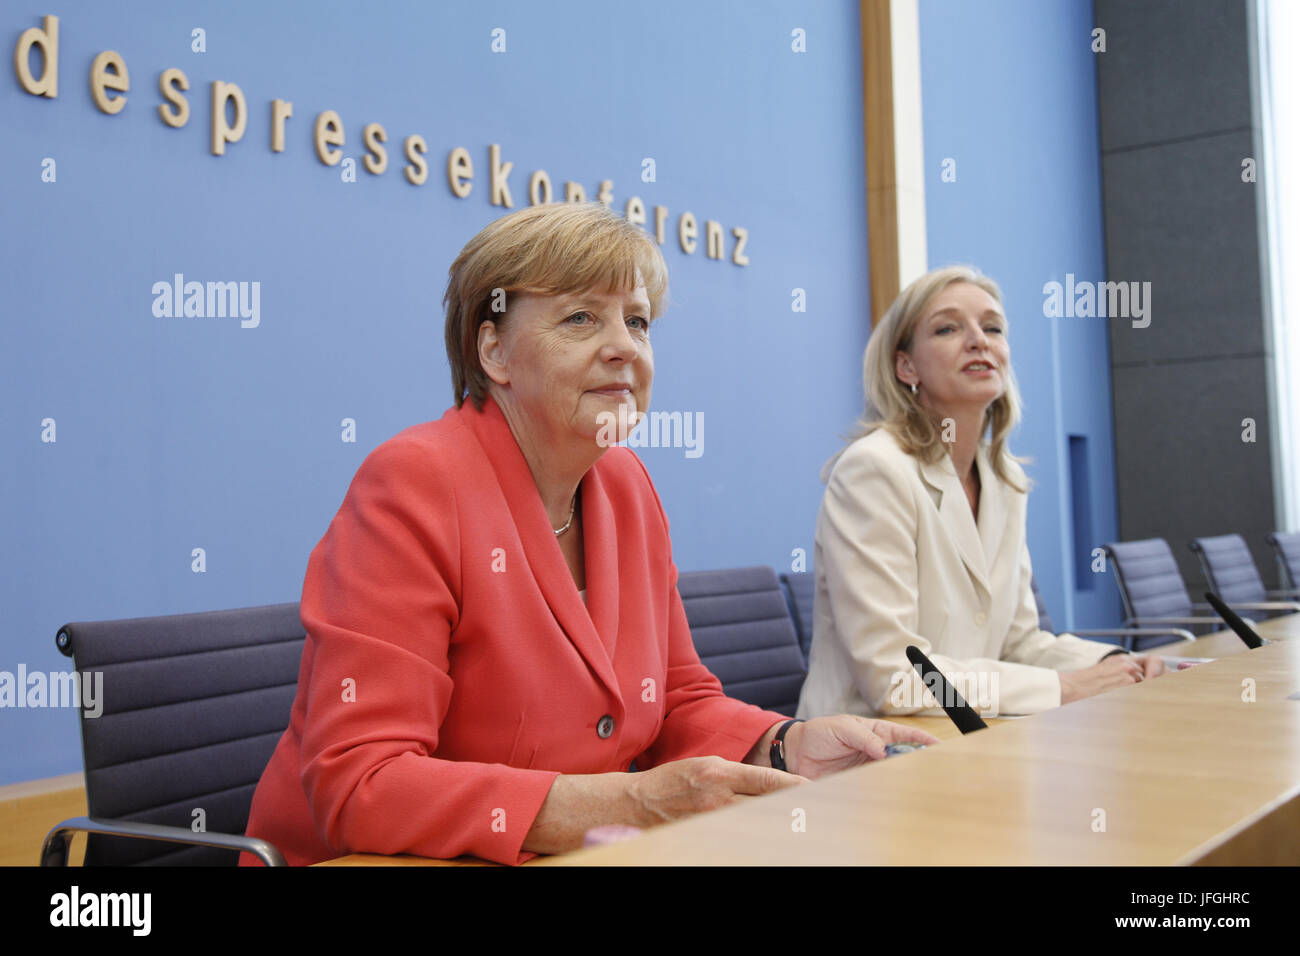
x,y
1182,663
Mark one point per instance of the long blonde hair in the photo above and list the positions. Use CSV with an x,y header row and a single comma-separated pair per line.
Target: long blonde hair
x,y
892,406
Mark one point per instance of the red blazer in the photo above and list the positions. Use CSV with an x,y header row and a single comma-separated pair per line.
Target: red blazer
x,y
451,670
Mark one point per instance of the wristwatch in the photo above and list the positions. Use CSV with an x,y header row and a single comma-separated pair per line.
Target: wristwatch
x,y
777,754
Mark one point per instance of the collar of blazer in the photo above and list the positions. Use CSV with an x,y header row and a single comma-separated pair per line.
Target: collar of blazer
x,y
976,543
591,627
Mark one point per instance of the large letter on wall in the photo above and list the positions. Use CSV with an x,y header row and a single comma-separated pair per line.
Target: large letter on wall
x,y
48,40
223,132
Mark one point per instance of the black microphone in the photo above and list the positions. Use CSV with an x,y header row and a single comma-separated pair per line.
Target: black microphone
x,y
1244,630
953,704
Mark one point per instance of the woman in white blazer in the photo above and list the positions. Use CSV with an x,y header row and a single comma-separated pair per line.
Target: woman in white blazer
x,y
921,534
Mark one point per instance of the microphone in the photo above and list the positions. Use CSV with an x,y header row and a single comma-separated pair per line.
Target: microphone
x,y
953,704
1244,630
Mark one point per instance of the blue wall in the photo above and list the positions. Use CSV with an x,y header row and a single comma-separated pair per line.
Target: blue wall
x,y
1009,92
175,433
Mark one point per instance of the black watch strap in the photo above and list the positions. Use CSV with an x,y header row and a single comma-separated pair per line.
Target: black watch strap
x,y
1118,650
777,754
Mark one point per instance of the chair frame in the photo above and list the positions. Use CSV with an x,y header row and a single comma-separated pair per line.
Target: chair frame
x,y
1208,571
54,850
57,843
1130,634
1284,571
1133,620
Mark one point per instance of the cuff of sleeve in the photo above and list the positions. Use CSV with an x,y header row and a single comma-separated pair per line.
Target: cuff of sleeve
x,y
762,722
526,796
1036,690
739,733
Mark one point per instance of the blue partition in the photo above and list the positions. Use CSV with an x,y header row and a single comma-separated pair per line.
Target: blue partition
x,y
1013,185
231,434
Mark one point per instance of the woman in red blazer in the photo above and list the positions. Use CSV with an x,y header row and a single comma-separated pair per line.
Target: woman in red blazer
x,y
493,626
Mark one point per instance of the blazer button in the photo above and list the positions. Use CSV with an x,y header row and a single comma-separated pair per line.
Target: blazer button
x,y
605,726
981,619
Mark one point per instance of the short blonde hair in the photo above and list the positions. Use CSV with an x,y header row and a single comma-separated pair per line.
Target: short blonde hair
x,y
550,249
891,405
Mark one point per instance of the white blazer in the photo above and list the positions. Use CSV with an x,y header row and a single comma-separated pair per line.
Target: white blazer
x,y
899,559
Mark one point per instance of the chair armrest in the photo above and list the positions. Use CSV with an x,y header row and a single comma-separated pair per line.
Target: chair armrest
x,y
1217,621
54,851
1282,595
1137,632
1266,606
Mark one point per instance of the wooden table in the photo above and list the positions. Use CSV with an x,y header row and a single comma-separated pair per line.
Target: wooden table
x,y
941,727
30,809
1183,769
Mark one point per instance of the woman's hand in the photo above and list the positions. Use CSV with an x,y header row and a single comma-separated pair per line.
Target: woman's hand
x,y
683,787
1112,672
578,802
827,745
1152,666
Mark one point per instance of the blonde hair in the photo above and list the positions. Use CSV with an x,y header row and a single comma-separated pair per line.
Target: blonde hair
x,y
891,405
541,250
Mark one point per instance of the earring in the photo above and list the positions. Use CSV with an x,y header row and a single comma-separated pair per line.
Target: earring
x,y
913,388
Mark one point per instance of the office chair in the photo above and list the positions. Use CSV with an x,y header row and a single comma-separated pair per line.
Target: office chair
x,y
744,635
1287,547
1130,635
801,587
192,708
1152,590
1232,575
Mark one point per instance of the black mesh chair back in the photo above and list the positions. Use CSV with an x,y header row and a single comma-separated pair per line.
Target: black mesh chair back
x,y
1150,584
1287,547
1044,618
744,634
1152,590
1229,569
801,587
192,708
1129,638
